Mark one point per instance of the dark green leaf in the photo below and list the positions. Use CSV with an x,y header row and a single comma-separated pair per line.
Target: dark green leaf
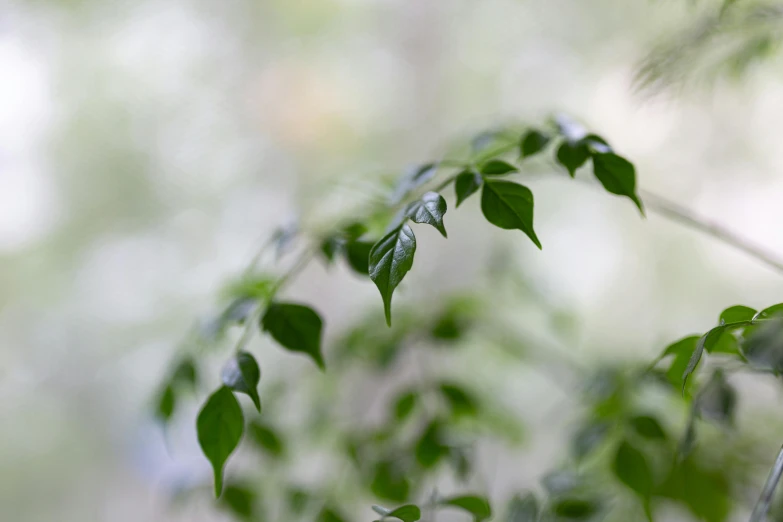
x,y
717,400
588,438
735,314
266,438
497,168
509,206
220,425
575,509
631,468
682,351
475,505
241,373
763,345
167,402
460,401
532,143
707,493
240,501
572,156
389,482
357,253
466,183
648,427
409,513
430,210
707,342
390,259
617,175
296,327
404,405
430,448
523,509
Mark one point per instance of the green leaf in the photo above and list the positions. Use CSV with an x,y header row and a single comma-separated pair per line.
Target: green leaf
x,y
532,143
509,206
430,448
460,401
430,210
241,373
404,405
497,168
771,311
572,156
523,509
466,184
473,504
220,425
185,373
266,438
575,508
389,482
357,253
682,351
408,513
631,468
240,500
717,400
763,345
296,327
648,427
734,314
329,514
617,175
390,259
167,403
588,438
707,342
330,247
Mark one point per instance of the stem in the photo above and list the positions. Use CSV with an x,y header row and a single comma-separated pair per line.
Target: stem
x,y
762,506
682,215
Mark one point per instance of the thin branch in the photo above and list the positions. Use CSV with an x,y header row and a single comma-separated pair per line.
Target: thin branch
x,y
762,506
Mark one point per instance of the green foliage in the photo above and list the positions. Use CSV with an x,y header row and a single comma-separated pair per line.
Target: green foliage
x,y
572,156
220,426
430,210
407,513
476,505
617,175
241,373
630,466
497,168
296,327
390,259
466,184
533,142
510,206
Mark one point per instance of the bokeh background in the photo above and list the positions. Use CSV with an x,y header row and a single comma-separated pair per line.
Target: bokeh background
x,y
147,147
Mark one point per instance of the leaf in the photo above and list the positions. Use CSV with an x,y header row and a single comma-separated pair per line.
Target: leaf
x,y
239,500
220,425
329,514
648,427
404,405
390,259
430,448
185,373
509,206
497,168
763,345
389,483
241,373
532,143
572,156
734,314
460,401
466,184
631,468
266,438
357,253
770,312
296,327
588,438
473,504
430,210
167,402
682,351
575,508
717,400
707,342
408,513
617,175
523,509
330,247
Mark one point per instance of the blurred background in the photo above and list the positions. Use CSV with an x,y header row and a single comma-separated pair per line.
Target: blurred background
x,y
146,148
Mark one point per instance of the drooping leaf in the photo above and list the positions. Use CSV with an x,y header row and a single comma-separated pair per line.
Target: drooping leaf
x,y
466,184
460,401
473,504
572,156
509,206
241,373
575,509
357,253
648,427
735,314
532,143
390,259
266,438
408,513
497,167
717,400
617,175
389,482
295,327
429,209
631,468
523,509
219,426
404,404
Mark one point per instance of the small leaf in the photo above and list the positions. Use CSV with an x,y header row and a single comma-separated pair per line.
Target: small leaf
x,y
717,400
532,143
466,184
681,350
430,447
430,210
631,468
572,156
329,514
266,438
575,509
167,402
330,247
240,500
408,513
734,314
648,427
617,175
296,327
707,342
523,509
460,401
404,405
220,425
390,259
185,373
509,206
241,373
497,168
389,483
473,504
357,253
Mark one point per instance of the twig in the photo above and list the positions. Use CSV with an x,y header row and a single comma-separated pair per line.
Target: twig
x,y
762,506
